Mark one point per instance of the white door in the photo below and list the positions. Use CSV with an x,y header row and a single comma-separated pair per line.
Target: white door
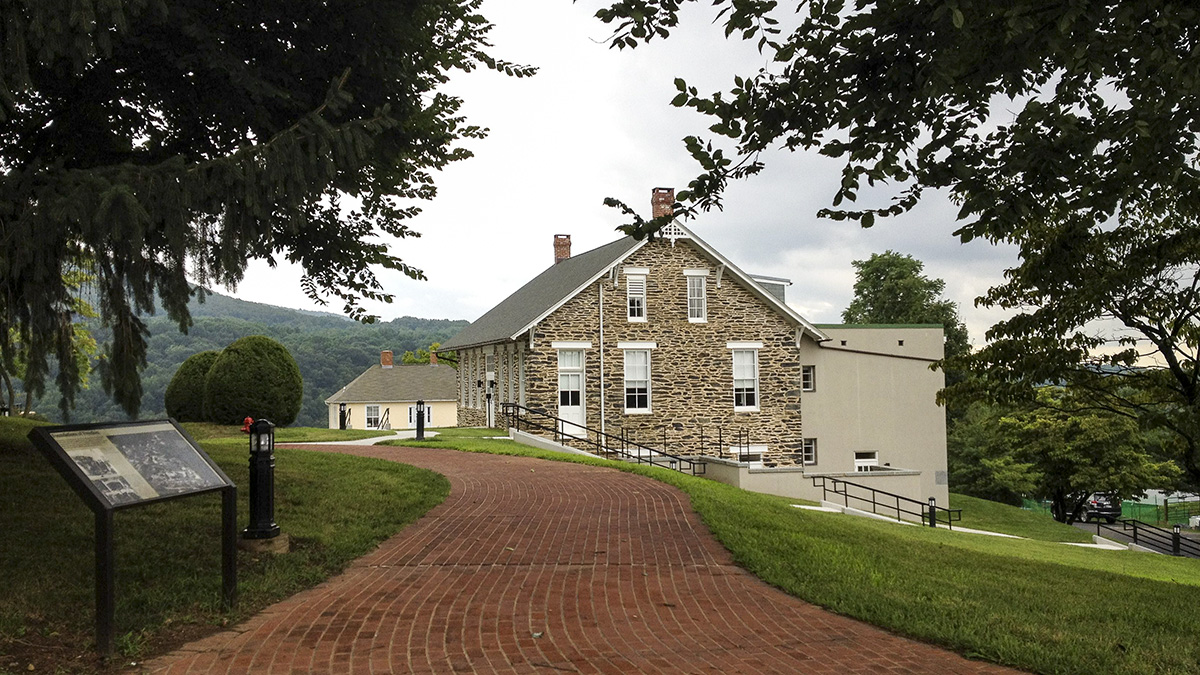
x,y
570,392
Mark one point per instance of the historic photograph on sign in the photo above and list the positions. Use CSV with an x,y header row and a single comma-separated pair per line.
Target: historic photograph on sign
x,y
129,464
165,460
115,486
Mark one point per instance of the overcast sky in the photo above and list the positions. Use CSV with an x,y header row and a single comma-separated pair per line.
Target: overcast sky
x,y
595,123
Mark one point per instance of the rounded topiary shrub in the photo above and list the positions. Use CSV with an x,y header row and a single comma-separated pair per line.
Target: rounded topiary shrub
x,y
253,377
184,398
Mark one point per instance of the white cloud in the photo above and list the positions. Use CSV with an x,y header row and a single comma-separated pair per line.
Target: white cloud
x,y
595,123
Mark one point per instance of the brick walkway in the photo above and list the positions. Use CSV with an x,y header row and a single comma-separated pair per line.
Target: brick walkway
x,y
532,566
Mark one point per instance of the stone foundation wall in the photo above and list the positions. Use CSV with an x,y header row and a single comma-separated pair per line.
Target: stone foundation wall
x,y
471,417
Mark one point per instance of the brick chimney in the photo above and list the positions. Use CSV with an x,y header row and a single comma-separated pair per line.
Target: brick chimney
x,y
433,358
662,201
562,247
385,358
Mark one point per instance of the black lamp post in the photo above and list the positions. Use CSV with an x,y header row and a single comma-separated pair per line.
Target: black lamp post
x,y
491,413
342,416
420,420
262,482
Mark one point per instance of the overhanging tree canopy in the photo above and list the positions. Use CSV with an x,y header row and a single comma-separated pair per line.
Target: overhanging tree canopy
x,y
153,138
1022,110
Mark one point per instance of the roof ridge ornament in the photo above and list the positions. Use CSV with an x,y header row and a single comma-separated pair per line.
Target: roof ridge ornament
x,y
673,230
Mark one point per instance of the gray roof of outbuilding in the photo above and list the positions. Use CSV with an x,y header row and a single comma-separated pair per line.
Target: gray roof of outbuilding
x,y
506,320
400,383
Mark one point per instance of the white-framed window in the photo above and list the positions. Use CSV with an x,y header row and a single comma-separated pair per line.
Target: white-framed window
x,y
412,415
372,417
745,379
570,377
866,461
637,381
697,295
808,378
635,295
809,451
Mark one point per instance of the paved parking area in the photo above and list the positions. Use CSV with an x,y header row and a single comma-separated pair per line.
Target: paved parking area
x,y
533,566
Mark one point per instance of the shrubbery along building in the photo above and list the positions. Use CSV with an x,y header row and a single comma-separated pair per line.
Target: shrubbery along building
x,y
667,335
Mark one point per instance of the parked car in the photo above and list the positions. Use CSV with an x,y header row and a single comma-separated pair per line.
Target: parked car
x,y
1101,505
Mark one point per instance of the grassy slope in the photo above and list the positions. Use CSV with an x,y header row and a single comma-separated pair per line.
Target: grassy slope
x,y
335,507
981,514
1035,605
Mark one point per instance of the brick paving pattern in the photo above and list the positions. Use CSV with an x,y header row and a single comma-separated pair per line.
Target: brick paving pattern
x,y
532,566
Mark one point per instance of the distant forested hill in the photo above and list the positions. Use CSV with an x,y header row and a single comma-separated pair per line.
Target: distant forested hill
x,y
330,349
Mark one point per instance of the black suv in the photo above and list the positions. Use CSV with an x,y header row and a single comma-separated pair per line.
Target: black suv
x,y
1100,505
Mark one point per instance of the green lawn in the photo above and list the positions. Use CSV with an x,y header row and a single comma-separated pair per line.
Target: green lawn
x,y
981,514
1033,604
203,430
335,507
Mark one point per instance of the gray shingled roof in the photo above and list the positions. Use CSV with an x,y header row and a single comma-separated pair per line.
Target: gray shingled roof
x,y
533,299
400,383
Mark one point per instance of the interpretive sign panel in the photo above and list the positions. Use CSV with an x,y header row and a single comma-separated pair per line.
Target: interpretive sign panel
x,y
126,464
116,466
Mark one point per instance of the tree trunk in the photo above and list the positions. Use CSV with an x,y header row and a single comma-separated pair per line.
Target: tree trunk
x,y
28,403
1074,516
12,395
1065,507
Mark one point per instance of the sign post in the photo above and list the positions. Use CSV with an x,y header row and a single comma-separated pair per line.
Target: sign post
x,y
118,466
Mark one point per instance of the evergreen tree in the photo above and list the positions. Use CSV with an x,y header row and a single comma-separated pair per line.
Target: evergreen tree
x,y
145,138
254,376
184,396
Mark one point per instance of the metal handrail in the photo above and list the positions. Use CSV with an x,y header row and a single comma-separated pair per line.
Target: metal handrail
x,y
1154,537
901,503
605,443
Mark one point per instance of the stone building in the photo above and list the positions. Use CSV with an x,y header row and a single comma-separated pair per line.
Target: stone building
x,y
669,343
